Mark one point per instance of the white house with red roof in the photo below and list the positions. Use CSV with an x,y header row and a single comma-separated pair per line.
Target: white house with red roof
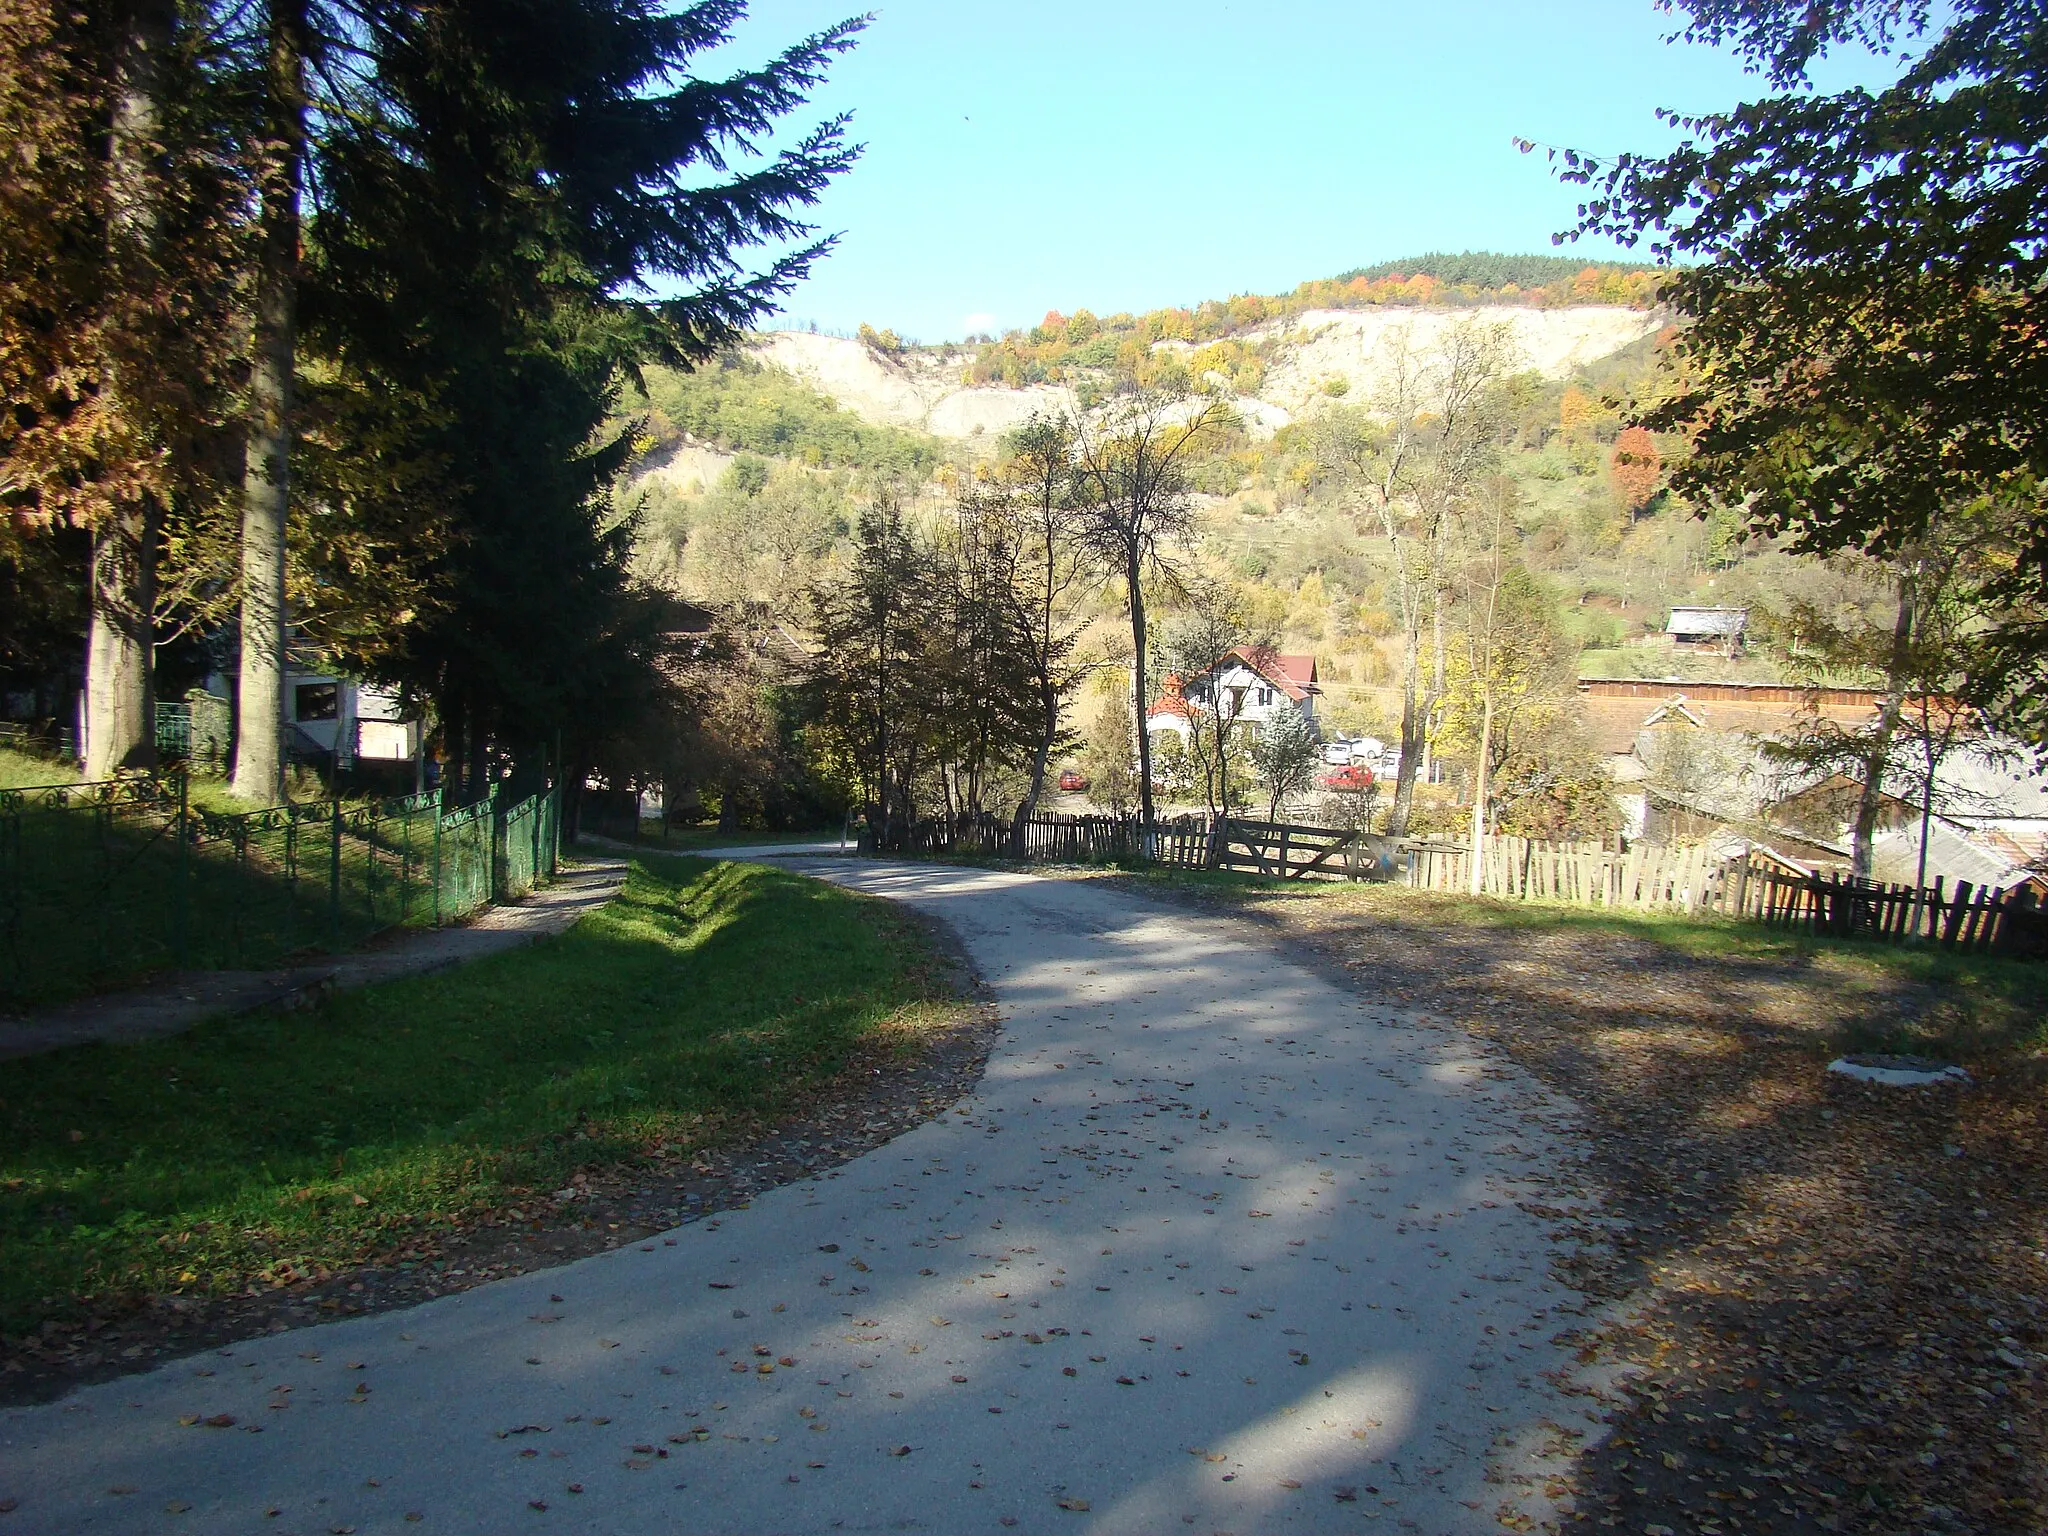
x,y
1247,683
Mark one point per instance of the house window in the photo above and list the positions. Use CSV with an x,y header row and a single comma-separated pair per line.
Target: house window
x,y
1265,698
316,701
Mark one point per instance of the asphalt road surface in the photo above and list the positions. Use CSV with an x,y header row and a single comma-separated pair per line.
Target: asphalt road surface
x,y
1217,1246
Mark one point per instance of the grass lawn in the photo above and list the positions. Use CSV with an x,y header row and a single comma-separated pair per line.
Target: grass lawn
x,y
22,770
96,899
259,1150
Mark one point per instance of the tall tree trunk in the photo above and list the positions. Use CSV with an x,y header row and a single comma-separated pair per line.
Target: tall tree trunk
x,y
480,775
119,695
1479,797
1926,826
120,731
1133,571
266,484
1411,736
1878,758
1041,756
454,717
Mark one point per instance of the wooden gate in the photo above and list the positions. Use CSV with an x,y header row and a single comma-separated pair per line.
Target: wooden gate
x,y
1281,849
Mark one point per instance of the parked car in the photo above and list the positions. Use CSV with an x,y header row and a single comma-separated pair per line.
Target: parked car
x,y
1347,751
1072,782
1353,779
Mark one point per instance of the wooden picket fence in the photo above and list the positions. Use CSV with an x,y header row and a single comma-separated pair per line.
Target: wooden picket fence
x,y
1645,875
1182,841
1281,849
1969,918
1690,878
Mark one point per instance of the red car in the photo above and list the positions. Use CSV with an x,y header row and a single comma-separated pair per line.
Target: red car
x,y
1072,782
1353,778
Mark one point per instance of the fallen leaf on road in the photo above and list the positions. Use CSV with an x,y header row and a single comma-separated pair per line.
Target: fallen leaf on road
x,y
1079,1506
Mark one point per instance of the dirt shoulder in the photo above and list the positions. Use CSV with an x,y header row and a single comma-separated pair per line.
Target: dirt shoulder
x,y
1829,1295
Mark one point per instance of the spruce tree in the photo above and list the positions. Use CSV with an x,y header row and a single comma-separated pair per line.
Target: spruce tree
x,y
482,239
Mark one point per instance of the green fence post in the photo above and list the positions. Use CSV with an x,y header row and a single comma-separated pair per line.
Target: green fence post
x,y
334,873
437,857
180,916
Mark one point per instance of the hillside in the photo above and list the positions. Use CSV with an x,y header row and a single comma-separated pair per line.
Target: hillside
x,y
1302,358
757,464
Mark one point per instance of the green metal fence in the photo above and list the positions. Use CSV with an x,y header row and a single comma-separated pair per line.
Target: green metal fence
x,y
102,884
529,838
174,732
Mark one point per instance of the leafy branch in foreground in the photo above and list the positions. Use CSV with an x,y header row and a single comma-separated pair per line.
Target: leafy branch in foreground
x,y
1865,346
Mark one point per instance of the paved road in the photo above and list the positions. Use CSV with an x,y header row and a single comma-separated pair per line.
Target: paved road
x,y
1217,1246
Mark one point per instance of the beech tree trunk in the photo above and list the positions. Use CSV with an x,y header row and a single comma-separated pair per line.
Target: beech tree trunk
x,y
119,698
120,728
266,483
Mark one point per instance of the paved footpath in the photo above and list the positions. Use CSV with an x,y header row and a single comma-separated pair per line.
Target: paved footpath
x,y
1217,1246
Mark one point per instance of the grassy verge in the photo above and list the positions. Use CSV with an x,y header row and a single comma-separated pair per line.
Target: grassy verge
x,y
258,1151
683,839
1968,1007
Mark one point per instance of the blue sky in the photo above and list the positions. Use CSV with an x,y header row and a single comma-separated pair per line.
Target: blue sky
x,y
1121,154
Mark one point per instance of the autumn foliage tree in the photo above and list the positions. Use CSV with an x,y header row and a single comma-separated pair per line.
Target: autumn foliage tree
x,y
1635,468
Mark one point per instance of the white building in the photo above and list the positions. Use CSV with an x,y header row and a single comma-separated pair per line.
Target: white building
x,y
1247,684
1719,627
335,716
